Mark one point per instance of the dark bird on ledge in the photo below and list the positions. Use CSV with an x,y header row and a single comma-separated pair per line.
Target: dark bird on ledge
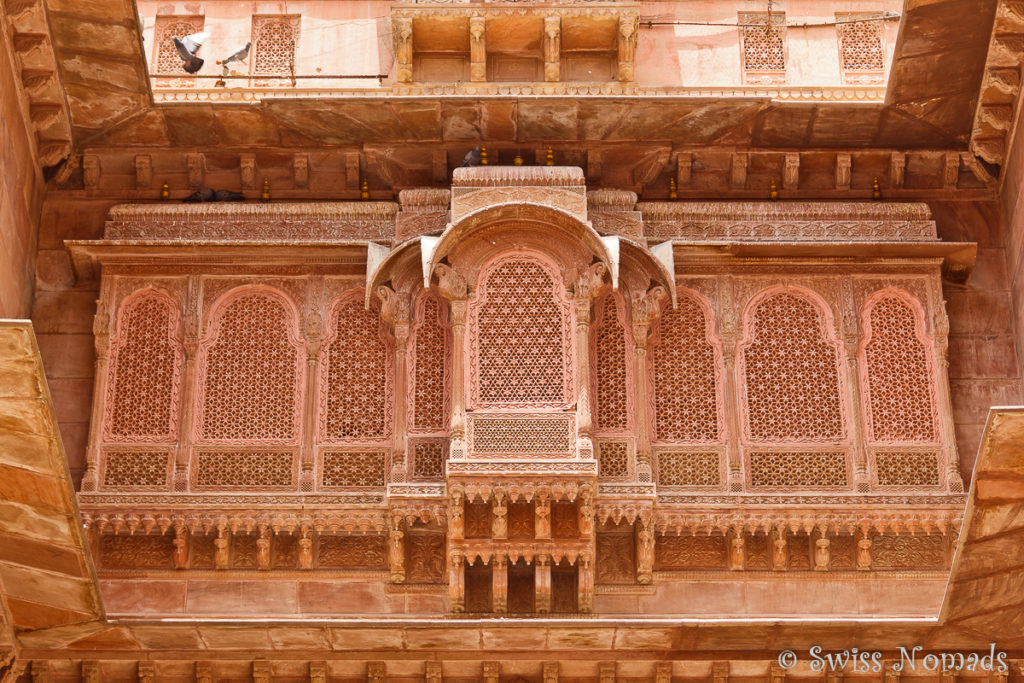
x,y
205,194
473,158
187,48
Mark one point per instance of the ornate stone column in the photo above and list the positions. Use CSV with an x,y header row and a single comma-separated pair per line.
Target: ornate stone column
x,y
222,549
452,286
542,581
541,516
314,334
263,548
499,582
851,341
585,511
402,28
306,549
101,338
644,550
585,583
395,311
499,516
587,287
729,334
645,310
864,549
940,324
456,581
456,520
180,552
396,550
477,49
552,48
822,550
628,25
737,550
780,551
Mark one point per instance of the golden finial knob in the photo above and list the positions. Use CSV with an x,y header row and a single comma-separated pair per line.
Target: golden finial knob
x,y
364,190
518,161
265,192
165,191
483,156
672,193
773,191
876,191
549,157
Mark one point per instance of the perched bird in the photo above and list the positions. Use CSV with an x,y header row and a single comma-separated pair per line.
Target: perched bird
x,y
228,196
473,158
239,55
202,195
187,48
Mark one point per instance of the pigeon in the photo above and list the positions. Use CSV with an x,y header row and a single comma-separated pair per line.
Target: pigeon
x,y
473,157
187,48
228,196
239,55
202,195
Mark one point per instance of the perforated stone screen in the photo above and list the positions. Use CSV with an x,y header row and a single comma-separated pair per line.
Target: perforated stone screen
x,y
223,469
353,468
798,470
688,468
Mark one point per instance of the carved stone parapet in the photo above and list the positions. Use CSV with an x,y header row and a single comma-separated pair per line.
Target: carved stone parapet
x,y
881,518
613,213
480,187
424,212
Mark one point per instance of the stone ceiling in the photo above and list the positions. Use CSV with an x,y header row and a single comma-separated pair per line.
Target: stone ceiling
x,y
934,87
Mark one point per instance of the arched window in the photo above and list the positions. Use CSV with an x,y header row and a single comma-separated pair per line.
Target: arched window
x,y
521,351
252,379
145,371
356,377
612,397
686,376
899,383
791,372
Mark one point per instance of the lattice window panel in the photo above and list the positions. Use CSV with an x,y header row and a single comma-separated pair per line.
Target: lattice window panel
x,y
611,375
520,346
860,44
895,468
521,435
428,460
357,382
250,470
273,45
900,384
353,468
165,56
613,460
252,373
135,469
685,468
146,365
429,375
685,377
791,373
763,42
798,470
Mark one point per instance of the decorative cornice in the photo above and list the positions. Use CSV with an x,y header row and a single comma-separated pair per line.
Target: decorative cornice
x,y
424,199
883,519
519,176
611,200
785,211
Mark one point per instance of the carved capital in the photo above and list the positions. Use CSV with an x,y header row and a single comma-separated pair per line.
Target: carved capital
x,y
451,284
647,306
590,282
394,306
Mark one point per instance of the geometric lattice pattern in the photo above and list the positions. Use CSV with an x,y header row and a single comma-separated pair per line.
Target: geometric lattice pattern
x,y
358,393
429,372
166,60
353,469
785,470
511,434
144,363
249,470
521,329
860,46
763,48
792,376
907,469
688,469
612,408
428,461
251,373
273,48
685,377
142,468
900,396
613,460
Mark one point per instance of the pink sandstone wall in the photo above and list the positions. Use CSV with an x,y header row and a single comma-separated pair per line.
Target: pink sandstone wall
x,y
21,193
1012,216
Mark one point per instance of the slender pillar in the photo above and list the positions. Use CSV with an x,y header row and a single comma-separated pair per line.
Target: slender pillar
x,y
263,549
180,553
851,337
587,287
314,337
306,550
456,582
627,35
499,583
729,334
499,516
189,383
822,551
737,550
541,517
456,519
396,550
552,47
222,549
864,549
954,480
644,551
452,287
403,49
780,550
101,339
395,311
645,310
586,583
542,579
477,49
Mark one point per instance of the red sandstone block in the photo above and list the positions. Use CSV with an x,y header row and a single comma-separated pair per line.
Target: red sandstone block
x,y
67,356
915,597
31,553
975,312
343,597
69,311
988,357
53,270
989,270
72,399
75,437
227,597
135,597
972,398
78,220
